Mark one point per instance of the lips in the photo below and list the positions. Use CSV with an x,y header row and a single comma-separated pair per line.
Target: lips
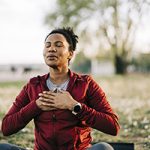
x,y
51,57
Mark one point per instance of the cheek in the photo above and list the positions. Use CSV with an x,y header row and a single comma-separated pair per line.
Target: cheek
x,y
64,56
65,53
44,52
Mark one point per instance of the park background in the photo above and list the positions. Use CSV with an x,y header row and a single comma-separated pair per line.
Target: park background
x,y
114,47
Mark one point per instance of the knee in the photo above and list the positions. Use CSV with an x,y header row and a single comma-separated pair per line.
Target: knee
x,y
7,146
4,146
102,146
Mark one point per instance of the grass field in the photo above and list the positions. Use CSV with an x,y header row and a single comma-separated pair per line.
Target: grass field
x,y
129,96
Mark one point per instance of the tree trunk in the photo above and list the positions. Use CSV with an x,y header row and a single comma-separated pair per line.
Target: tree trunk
x,y
120,65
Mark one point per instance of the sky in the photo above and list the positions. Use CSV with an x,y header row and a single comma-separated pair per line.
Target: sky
x,y
22,31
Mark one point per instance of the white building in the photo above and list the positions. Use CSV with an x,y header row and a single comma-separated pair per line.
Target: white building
x,y
99,67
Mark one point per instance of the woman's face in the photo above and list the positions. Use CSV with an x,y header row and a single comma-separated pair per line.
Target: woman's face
x,y
56,51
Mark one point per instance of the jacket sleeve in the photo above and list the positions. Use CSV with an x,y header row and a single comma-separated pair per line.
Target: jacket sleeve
x,y
21,112
98,113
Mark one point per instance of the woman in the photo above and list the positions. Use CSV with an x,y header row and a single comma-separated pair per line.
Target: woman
x,y
64,105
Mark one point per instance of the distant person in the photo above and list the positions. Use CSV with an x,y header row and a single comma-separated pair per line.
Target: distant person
x,y
64,105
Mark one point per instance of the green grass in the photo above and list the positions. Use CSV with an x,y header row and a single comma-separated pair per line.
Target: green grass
x,y
129,96
8,84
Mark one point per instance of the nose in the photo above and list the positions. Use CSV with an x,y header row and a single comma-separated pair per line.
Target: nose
x,y
52,49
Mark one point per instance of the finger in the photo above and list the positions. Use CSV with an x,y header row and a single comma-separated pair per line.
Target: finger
x,y
49,96
48,104
46,100
48,92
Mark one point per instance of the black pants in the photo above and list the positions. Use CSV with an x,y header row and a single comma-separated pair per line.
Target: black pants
x,y
4,146
98,146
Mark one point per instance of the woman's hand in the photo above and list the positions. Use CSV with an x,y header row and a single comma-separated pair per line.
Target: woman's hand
x,y
49,100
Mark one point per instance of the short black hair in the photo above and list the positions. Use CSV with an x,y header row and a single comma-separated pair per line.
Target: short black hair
x,y
69,34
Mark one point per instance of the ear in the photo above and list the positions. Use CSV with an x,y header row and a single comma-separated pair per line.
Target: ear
x,y
70,55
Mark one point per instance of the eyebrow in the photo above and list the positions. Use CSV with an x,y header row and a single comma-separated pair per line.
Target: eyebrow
x,y
54,42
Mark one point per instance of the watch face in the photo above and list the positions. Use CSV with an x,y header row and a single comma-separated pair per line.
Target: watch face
x,y
77,108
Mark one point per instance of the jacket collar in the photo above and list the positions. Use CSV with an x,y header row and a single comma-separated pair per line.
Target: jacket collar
x,y
72,76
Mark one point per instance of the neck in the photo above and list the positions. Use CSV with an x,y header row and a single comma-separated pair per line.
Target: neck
x,y
58,76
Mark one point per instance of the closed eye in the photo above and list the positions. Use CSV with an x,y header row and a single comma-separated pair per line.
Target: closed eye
x,y
47,44
59,44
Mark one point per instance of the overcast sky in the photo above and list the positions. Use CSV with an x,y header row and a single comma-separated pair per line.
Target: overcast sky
x,y
22,30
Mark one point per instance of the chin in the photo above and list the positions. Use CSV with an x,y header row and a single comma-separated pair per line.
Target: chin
x,y
54,66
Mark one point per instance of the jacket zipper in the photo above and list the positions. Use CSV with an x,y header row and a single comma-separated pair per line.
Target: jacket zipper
x,y
53,120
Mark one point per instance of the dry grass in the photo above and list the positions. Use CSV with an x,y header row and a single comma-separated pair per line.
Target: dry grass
x,y
130,97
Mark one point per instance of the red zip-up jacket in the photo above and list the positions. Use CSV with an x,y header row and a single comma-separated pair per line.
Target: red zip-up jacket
x,y
60,129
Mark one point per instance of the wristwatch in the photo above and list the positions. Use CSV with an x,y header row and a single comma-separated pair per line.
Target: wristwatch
x,y
77,108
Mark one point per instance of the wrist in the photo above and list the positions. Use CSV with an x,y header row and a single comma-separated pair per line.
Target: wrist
x,y
72,105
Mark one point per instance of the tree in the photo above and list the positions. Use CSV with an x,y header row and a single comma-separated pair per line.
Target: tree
x,y
81,63
114,23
